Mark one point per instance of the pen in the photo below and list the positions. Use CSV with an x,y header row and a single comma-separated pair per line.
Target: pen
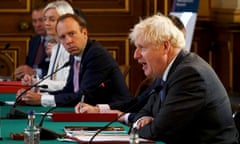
x,y
81,102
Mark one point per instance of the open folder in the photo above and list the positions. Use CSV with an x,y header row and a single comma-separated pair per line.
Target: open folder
x,y
93,129
108,139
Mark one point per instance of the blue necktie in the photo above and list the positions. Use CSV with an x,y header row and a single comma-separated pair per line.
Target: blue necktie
x,y
161,93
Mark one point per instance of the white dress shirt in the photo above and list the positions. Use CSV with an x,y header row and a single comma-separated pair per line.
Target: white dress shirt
x,y
59,78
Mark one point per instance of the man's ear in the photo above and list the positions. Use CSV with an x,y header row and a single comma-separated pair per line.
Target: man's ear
x,y
166,44
84,30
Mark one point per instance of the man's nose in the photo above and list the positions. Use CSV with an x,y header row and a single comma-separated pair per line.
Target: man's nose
x,y
136,53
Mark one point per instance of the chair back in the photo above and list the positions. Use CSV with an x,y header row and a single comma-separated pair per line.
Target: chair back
x,y
124,69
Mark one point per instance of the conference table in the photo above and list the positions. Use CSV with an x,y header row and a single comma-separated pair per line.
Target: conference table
x,y
17,125
8,126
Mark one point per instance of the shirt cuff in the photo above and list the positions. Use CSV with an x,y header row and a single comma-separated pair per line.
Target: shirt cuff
x,y
126,117
103,108
136,123
48,100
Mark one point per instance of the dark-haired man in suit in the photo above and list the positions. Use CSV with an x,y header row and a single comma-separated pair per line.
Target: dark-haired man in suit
x,y
90,65
36,61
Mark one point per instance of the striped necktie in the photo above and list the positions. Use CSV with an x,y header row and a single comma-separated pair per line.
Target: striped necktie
x,y
40,52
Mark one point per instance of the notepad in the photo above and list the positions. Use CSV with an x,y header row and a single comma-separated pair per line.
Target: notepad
x,y
122,138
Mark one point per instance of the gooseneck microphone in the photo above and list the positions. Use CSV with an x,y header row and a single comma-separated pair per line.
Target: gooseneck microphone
x,y
5,78
48,134
18,114
7,45
154,91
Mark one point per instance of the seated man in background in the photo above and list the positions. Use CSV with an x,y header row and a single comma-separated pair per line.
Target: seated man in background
x,y
93,71
192,106
36,60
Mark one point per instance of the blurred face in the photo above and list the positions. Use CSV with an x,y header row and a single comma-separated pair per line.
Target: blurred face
x,y
72,36
153,60
37,22
50,20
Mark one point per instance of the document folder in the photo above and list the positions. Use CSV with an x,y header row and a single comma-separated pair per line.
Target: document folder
x,y
96,117
11,86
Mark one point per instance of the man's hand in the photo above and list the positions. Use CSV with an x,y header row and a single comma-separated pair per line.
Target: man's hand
x,y
19,92
23,70
143,121
28,80
86,108
121,119
32,98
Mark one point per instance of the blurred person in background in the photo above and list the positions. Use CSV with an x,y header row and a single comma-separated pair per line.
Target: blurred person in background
x,y
36,61
59,56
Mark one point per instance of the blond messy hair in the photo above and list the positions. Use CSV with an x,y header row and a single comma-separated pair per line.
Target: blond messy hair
x,y
156,30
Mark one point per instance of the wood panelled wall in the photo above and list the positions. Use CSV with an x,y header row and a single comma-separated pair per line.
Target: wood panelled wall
x,y
109,22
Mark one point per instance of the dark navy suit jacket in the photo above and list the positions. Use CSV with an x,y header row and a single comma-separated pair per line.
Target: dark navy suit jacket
x,y
195,107
32,53
97,66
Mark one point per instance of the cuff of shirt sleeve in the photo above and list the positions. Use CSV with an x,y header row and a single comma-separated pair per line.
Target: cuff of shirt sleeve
x,y
136,123
126,117
103,108
48,100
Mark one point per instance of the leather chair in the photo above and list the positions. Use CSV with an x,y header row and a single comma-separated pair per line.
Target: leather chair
x,y
143,85
124,69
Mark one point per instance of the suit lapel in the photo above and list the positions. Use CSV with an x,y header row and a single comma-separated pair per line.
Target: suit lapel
x,y
178,59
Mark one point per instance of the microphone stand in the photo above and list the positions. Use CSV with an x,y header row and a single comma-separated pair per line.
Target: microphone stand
x,y
48,134
18,114
157,89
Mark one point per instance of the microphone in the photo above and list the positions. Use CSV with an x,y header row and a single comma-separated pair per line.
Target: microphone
x,y
48,134
5,78
2,103
7,45
18,114
154,91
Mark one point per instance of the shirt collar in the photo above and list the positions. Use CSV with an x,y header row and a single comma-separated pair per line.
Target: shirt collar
x,y
78,58
165,74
